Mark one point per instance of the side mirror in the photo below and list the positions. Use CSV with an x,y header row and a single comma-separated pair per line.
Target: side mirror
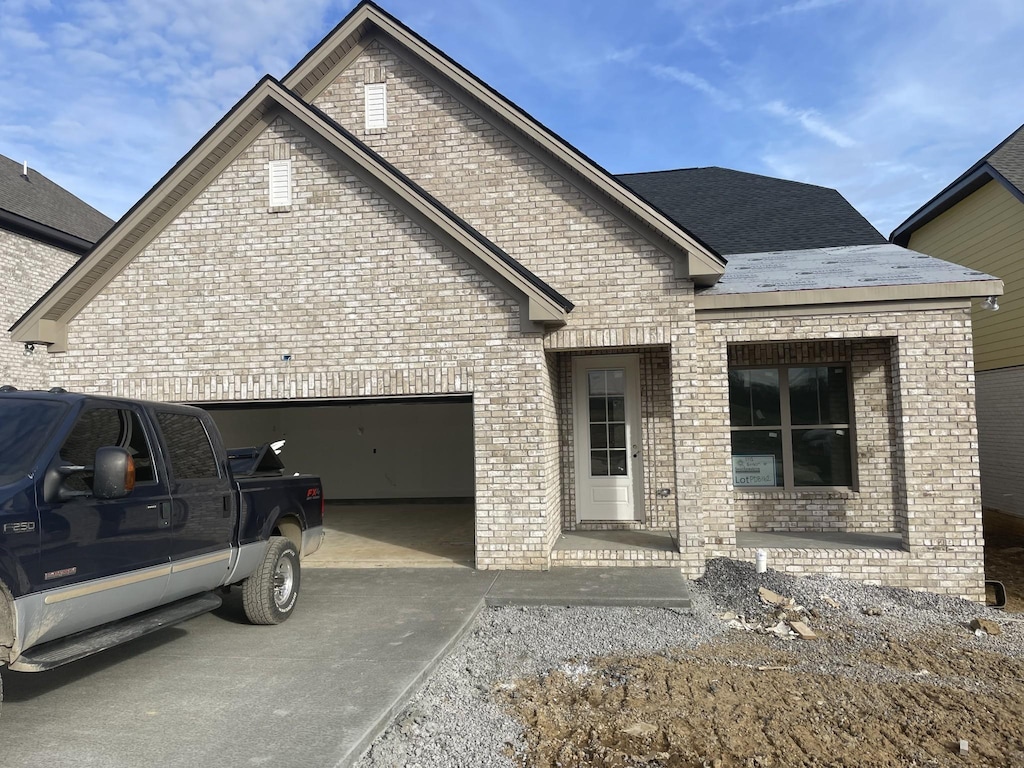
x,y
113,474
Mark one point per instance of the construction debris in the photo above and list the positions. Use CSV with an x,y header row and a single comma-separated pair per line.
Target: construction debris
x,y
985,627
829,601
871,610
965,746
805,632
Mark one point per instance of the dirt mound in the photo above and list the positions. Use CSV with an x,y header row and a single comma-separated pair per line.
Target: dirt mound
x,y
894,678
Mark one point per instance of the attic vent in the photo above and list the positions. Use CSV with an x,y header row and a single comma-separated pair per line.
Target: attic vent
x,y
280,183
376,105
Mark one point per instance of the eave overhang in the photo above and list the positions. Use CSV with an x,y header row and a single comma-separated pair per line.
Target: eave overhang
x,y
969,183
20,225
825,298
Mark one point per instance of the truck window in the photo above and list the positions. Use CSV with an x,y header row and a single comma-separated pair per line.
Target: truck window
x,y
24,429
99,427
188,445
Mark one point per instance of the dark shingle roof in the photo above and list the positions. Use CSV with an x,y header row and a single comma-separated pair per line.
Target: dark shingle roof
x,y
38,199
1008,158
738,212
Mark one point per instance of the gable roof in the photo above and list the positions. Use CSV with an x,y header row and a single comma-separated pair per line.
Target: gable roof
x,y
345,42
36,207
1004,164
738,212
46,321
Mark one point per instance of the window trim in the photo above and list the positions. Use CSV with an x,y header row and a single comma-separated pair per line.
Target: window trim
x,y
787,427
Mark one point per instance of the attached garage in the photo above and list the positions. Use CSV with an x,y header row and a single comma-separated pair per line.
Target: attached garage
x,y
397,472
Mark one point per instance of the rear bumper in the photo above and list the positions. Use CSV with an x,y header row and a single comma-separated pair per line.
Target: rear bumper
x,y
312,538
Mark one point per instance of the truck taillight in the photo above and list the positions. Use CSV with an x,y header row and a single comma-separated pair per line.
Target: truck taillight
x,y
322,507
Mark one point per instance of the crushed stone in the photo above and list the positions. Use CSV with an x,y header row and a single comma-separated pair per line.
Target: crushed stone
x,y
458,717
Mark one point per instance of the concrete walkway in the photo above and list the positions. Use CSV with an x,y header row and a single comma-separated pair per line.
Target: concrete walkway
x,y
314,691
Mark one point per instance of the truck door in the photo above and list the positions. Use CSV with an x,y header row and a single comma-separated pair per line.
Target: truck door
x,y
202,505
99,559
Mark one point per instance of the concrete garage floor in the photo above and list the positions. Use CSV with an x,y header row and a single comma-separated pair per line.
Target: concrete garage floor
x,y
421,535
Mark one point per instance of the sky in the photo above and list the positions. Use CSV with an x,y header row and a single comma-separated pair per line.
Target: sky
x,y
885,100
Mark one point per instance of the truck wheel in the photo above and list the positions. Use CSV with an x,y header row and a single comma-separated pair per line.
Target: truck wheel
x,y
270,593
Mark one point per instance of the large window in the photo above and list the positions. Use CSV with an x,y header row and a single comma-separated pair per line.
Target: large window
x,y
791,426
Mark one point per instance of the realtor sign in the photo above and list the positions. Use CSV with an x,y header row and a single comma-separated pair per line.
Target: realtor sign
x,y
753,471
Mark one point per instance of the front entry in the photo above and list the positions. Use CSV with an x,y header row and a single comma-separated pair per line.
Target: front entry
x,y
609,464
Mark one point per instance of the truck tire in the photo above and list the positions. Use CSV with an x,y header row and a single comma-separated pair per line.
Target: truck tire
x,y
270,593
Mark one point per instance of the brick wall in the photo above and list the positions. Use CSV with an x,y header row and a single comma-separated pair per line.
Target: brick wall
x,y
365,302
932,454
27,270
620,282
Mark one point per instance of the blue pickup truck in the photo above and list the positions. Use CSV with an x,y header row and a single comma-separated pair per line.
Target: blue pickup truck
x,y
119,517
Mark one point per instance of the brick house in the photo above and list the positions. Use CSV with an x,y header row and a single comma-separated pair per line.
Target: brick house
x,y
382,224
44,229
978,221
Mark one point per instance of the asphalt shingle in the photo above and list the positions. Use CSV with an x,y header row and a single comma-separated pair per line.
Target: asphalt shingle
x,y
738,212
40,200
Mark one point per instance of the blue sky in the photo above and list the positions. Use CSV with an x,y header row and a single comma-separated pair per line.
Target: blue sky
x,y
885,100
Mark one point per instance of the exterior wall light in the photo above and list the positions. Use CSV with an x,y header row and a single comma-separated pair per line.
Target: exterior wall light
x,y
990,303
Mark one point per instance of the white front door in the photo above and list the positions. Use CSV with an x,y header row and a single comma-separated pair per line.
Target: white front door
x,y
606,404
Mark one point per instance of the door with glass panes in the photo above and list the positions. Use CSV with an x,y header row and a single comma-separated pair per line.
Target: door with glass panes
x,y
609,462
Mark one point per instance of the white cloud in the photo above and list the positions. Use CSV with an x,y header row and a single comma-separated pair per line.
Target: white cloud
x,y
698,83
811,121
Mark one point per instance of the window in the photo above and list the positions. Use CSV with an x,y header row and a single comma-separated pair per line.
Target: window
x,y
99,427
376,97
188,446
791,426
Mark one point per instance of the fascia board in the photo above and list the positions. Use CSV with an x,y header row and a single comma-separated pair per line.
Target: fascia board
x,y
831,310
700,259
949,197
827,296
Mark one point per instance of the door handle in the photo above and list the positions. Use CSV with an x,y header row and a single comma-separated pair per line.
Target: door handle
x,y
226,509
165,513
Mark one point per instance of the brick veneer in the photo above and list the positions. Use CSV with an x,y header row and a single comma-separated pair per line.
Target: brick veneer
x,y
27,270
921,363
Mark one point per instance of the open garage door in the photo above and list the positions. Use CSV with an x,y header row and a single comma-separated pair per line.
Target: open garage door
x,y
398,473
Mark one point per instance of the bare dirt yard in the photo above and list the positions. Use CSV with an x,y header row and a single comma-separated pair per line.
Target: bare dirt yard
x,y
891,678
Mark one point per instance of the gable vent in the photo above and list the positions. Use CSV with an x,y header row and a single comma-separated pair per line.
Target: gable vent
x,y
280,183
376,105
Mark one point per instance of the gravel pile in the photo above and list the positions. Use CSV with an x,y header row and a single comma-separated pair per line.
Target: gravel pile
x,y
454,720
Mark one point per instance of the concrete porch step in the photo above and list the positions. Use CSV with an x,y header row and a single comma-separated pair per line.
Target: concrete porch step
x,y
608,587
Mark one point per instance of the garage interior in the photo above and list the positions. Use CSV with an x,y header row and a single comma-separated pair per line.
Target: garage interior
x,y
397,473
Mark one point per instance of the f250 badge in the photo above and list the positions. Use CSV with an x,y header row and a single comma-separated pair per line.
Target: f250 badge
x,y
23,527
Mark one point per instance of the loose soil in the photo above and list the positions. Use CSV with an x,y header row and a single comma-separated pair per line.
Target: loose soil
x,y
859,695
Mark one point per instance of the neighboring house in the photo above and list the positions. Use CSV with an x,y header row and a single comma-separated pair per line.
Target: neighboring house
x,y
381,224
44,229
978,221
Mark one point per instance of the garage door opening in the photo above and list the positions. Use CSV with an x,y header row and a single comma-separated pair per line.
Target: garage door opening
x,y
398,473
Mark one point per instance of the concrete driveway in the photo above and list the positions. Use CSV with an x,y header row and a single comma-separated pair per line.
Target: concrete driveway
x,y
311,692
